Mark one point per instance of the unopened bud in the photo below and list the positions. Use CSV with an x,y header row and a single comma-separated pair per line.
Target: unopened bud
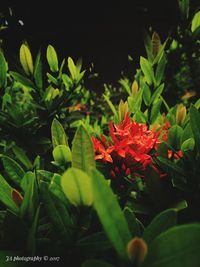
x,y
134,88
26,59
180,114
156,44
137,250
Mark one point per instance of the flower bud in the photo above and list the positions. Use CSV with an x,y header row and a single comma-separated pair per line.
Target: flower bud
x,y
26,59
180,114
122,109
137,250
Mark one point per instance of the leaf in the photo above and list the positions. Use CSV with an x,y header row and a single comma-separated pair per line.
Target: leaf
x,y
6,195
58,134
54,213
174,136
147,69
110,214
62,155
133,223
155,110
52,58
177,247
13,169
94,243
195,21
21,79
38,71
21,156
111,106
159,224
56,189
195,125
184,8
31,199
156,44
160,69
31,240
157,94
26,59
147,95
76,185
171,167
72,68
3,68
96,263
83,151
188,145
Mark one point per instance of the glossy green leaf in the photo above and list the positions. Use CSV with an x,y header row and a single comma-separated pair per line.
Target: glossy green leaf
x,y
195,21
3,68
155,111
52,58
58,134
157,94
38,71
110,214
77,187
111,106
32,235
22,157
13,169
184,8
56,189
159,224
147,69
62,155
82,150
188,145
177,247
147,95
195,125
6,195
26,59
72,68
96,263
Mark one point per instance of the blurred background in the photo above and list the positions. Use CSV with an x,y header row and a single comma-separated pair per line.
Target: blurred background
x,y
103,33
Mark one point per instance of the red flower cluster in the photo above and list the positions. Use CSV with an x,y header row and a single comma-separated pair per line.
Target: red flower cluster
x,y
130,150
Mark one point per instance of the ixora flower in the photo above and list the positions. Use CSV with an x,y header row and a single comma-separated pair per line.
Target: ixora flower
x,y
130,149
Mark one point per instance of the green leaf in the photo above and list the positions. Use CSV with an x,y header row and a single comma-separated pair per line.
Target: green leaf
x,y
96,263
171,167
177,247
195,125
56,189
58,134
195,21
21,79
94,243
188,145
83,151
147,95
111,106
30,201
155,111
62,155
110,214
160,69
21,156
133,223
72,68
6,195
147,69
157,94
26,59
3,68
184,8
76,185
54,212
52,58
174,136
13,169
38,71
160,223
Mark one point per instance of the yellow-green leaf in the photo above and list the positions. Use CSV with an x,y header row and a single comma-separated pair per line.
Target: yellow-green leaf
x,y
26,59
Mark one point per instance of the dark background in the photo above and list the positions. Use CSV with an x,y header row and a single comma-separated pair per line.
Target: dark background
x,y
104,33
